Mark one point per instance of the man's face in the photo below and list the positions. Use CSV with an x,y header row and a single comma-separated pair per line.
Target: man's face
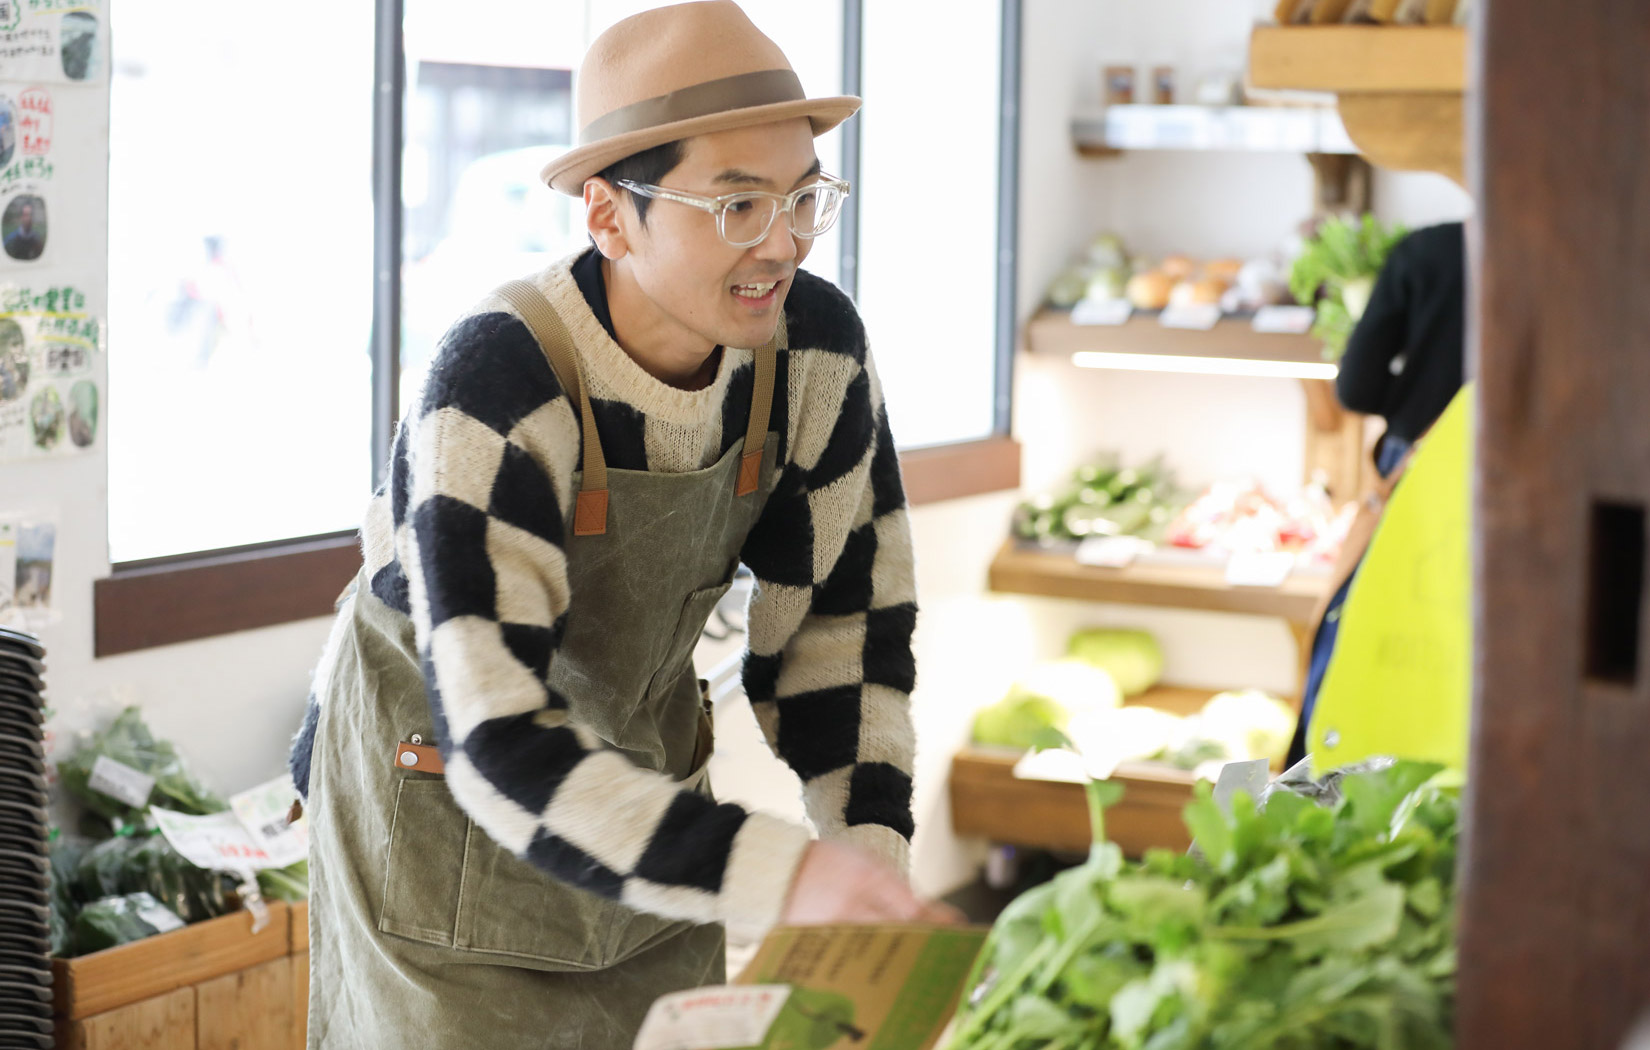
x,y
26,217
696,280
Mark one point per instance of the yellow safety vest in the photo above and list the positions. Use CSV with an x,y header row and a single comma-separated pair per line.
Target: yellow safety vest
x,y
1399,681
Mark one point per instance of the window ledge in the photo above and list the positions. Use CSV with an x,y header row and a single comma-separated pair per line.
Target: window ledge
x,y
967,468
142,605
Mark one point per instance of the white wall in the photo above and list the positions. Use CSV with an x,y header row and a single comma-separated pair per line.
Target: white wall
x,y
231,702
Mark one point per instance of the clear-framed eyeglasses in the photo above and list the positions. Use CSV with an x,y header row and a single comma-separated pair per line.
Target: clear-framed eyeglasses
x,y
743,219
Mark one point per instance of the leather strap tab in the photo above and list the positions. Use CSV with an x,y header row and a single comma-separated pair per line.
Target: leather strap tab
x,y
750,473
590,513
420,758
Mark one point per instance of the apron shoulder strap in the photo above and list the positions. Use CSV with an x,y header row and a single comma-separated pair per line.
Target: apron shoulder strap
x,y
756,433
590,513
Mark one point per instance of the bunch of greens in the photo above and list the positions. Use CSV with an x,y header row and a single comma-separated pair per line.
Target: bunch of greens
x,y
128,741
142,861
1102,499
290,883
113,921
1336,272
65,852
1293,927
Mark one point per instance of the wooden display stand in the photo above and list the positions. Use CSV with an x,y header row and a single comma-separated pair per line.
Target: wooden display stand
x,y
215,985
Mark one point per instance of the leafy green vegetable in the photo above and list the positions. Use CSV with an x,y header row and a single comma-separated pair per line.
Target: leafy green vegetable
x,y
1293,926
1336,272
285,884
114,921
1103,499
128,741
142,861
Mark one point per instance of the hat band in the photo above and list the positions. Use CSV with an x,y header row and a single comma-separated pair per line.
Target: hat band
x,y
744,91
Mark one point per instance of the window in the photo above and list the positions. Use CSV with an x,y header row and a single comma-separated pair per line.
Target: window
x,y
251,360
485,110
929,179
240,274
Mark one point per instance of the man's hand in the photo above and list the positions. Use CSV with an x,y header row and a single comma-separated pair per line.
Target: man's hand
x,y
839,883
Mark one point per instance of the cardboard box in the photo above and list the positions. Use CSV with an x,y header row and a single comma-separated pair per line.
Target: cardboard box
x,y
875,987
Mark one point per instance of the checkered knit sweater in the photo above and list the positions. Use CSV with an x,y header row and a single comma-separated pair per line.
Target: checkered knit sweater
x,y
459,540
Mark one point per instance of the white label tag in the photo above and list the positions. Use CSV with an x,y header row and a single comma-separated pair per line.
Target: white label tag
x,y
217,841
1102,311
1259,569
1110,552
713,1018
262,811
121,782
1199,316
1284,320
1057,764
158,915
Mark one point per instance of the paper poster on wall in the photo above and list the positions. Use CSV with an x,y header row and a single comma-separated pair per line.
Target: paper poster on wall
x,y
51,373
52,40
28,556
26,171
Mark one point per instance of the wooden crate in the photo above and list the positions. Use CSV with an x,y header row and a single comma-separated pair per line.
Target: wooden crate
x,y
250,1009
299,914
103,981
989,801
165,1022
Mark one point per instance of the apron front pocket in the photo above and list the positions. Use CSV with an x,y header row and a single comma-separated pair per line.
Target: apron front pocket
x,y
426,862
512,909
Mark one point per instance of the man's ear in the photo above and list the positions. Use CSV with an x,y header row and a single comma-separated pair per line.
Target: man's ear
x,y
602,218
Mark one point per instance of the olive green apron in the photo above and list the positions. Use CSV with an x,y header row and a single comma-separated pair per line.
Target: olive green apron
x,y
424,931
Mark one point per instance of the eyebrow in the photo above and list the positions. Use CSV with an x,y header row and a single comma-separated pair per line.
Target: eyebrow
x,y
737,177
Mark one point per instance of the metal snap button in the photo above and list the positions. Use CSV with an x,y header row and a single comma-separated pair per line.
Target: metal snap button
x,y
408,758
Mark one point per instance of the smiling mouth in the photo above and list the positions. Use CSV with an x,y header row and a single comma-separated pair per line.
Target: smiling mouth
x,y
755,291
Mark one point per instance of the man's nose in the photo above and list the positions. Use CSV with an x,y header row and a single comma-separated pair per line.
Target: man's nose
x,y
780,244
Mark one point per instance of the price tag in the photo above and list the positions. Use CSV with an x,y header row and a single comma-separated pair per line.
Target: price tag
x,y
1200,316
713,1018
121,782
1259,569
217,841
156,914
1284,320
262,811
1056,764
1102,312
1110,552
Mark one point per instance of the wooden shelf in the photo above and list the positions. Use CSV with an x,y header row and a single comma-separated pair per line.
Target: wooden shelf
x,y
1055,575
989,801
1051,331
1399,87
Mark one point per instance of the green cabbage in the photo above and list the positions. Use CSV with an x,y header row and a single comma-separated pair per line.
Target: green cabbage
x,y
1132,658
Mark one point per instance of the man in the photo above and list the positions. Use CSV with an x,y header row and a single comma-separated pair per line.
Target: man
x,y
25,242
545,553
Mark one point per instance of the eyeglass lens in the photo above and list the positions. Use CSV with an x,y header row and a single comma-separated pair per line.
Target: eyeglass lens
x,y
745,220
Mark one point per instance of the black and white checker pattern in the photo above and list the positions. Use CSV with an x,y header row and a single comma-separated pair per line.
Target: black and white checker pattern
x,y
467,539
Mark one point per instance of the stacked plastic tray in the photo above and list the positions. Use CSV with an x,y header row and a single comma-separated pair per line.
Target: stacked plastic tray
x,y
25,876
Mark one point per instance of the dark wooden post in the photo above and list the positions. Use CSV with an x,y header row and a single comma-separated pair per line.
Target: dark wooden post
x,y
1555,950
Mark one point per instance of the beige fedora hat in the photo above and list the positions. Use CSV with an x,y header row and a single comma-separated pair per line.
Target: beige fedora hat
x,y
678,71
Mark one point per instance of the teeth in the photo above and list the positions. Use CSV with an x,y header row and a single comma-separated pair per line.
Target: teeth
x,y
754,291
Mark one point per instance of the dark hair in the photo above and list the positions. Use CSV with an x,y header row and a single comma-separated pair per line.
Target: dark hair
x,y
648,166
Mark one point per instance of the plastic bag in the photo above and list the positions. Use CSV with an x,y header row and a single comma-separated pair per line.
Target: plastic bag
x,y
128,741
113,921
